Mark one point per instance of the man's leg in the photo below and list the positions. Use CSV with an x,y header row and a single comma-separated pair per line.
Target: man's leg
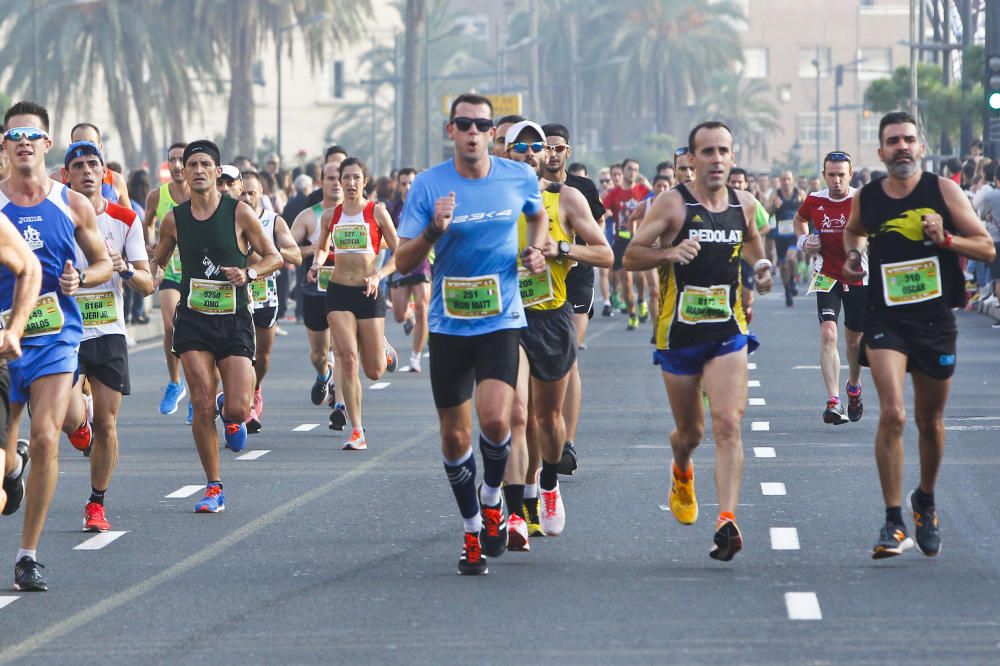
x,y
421,295
517,463
726,385
546,407
853,341
400,297
888,368
929,398
199,369
829,357
168,304
265,343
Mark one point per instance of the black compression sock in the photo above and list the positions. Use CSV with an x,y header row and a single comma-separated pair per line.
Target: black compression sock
x,y
494,460
549,476
514,495
97,495
894,514
462,478
924,500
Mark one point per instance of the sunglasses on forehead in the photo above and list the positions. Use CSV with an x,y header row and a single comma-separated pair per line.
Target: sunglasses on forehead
x,y
837,156
29,133
683,150
463,123
522,147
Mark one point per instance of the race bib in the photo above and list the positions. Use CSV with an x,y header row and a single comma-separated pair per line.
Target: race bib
x,y
46,318
212,297
535,288
786,227
473,297
705,305
915,281
820,282
97,308
350,236
260,291
323,276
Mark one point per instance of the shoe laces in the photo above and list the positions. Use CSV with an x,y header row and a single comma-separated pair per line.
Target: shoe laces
x,y
473,551
550,497
94,510
212,491
683,490
492,522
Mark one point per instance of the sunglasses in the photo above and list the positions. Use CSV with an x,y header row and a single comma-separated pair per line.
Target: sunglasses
x,y
464,124
683,150
559,148
837,156
522,147
29,133
605,181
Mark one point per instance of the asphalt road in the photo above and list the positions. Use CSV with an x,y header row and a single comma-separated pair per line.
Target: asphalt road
x,y
325,556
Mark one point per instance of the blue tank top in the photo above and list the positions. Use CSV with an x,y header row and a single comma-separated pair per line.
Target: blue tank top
x,y
49,231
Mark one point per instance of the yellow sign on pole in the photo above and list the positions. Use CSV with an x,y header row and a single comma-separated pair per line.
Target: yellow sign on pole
x,y
503,105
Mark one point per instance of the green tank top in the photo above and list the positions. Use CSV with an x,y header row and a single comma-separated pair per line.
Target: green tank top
x,y
166,202
205,246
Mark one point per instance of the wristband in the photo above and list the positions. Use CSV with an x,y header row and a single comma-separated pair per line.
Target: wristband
x,y
802,241
127,273
432,234
761,263
946,243
625,234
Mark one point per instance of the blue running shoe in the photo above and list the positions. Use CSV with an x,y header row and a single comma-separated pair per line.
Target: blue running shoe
x,y
190,416
236,433
214,500
172,395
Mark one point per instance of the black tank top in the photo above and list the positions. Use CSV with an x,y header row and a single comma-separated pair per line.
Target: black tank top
x,y
899,250
207,245
790,206
700,301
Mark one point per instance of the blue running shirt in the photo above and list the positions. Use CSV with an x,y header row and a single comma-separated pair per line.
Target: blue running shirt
x,y
49,231
475,288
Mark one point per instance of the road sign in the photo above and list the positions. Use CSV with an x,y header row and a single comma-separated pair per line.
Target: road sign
x,y
503,105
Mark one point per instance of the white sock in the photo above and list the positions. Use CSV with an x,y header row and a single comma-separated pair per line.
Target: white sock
x,y
531,491
17,467
488,495
473,524
24,552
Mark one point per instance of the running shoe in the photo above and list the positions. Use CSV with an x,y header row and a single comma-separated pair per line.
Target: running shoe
x,y
517,534
531,517
834,413
643,312
472,562
568,463
253,422
855,408
338,417
214,500
27,577
81,437
607,311
94,519
892,541
190,416
331,392
553,518
928,536
408,326
391,358
616,302
172,395
727,541
14,488
258,401
235,433
682,500
415,362
279,331
319,389
633,323
493,534
356,442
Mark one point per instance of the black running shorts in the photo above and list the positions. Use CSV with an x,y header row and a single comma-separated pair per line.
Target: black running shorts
x,y
580,289
342,298
854,300
222,335
314,312
265,317
618,247
170,284
458,362
407,280
549,340
105,359
928,345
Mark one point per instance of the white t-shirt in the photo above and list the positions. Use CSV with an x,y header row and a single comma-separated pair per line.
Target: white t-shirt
x,y
101,306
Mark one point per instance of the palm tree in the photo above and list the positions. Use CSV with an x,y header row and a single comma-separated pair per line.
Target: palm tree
x,y
745,105
414,18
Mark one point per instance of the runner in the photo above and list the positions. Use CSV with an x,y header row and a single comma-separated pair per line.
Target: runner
x,y
104,347
684,165
230,183
355,306
53,221
158,204
413,287
306,231
784,204
264,291
827,212
579,281
500,136
702,334
26,273
738,180
476,309
213,325
549,340
620,203
113,187
661,183
915,225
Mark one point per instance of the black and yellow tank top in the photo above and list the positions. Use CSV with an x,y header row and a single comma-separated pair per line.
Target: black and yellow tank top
x,y
700,301
908,274
205,247
545,290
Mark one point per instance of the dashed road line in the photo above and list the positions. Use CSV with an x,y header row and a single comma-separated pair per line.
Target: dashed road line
x,y
753,383
764,452
99,541
803,606
253,455
305,427
378,386
186,491
760,426
772,488
7,601
751,366
756,402
784,538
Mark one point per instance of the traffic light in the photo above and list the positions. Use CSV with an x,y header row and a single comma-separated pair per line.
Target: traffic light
x,y
993,82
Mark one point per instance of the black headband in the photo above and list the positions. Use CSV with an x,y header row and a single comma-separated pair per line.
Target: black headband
x,y
203,146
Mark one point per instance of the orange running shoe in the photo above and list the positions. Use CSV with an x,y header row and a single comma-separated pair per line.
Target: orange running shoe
x,y
94,519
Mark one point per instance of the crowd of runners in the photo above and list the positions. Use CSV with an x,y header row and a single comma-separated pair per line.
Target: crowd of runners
x,y
491,261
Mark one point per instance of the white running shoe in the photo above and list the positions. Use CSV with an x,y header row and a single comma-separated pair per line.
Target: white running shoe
x,y
517,534
553,513
415,362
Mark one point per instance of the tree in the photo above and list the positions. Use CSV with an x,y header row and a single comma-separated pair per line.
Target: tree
x,y
745,106
413,36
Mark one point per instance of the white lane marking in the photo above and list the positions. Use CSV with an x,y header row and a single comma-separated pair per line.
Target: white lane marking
x,y
404,368
972,418
760,426
648,446
186,491
756,402
751,366
305,427
803,606
972,427
253,455
814,367
764,452
772,488
7,601
99,541
753,383
377,386
784,538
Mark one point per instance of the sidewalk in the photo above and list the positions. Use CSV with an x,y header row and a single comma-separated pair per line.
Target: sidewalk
x,y
145,332
991,311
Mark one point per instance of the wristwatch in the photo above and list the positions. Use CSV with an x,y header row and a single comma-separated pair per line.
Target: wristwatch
x,y
82,276
251,274
128,272
564,248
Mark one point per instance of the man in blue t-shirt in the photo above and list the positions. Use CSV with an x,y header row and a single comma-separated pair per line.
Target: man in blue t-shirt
x,y
466,209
